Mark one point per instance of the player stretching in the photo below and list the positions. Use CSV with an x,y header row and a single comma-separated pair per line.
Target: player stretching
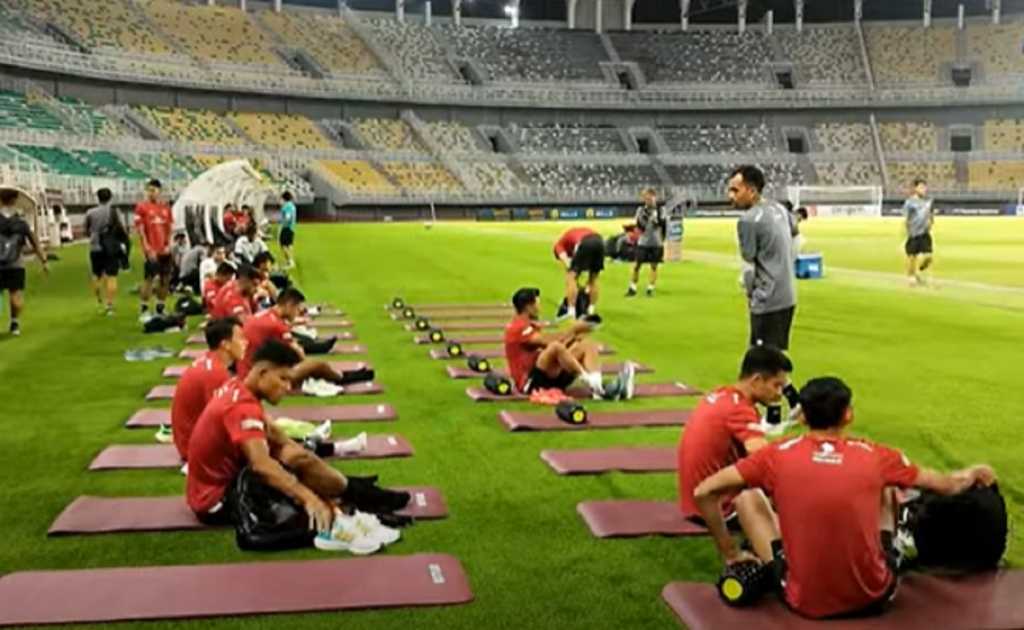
x,y
917,210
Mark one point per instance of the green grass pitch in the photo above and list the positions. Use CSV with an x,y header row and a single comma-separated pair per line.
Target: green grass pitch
x,y
933,371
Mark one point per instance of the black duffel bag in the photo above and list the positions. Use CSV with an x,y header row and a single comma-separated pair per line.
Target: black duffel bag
x,y
265,519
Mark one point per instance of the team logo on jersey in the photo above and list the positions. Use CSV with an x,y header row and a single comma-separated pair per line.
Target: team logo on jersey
x,y
252,424
826,454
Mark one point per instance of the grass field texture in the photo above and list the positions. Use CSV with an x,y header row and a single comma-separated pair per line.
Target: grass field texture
x,y
934,372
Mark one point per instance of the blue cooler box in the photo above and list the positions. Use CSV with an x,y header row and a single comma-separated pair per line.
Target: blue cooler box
x,y
809,266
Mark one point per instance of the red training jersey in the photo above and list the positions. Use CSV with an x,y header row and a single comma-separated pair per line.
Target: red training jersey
x,y
828,495
521,356
259,329
229,302
571,240
194,391
155,221
712,440
232,417
211,286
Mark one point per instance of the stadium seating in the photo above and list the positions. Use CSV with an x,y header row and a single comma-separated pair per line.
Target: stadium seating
x,y
939,175
587,139
327,39
1003,135
848,173
825,55
909,136
564,177
166,165
284,131
714,56
18,113
903,55
995,175
416,49
110,23
388,135
192,125
421,177
81,162
998,48
530,54
698,174
845,137
724,138
358,176
453,137
492,177
215,33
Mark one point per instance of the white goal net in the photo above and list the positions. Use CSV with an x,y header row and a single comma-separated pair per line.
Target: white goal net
x,y
837,201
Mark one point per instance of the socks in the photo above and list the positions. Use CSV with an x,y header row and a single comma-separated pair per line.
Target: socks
x,y
571,312
160,306
632,286
143,308
591,309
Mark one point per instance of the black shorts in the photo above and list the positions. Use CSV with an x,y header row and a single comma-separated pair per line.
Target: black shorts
x,y
12,279
163,267
650,255
538,380
224,512
589,256
287,237
103,264
919,245
772,329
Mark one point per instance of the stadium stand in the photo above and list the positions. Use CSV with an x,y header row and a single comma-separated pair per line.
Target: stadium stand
x,y
1003,134
388,135
453,137
420,177
940,175
328,39
540,138
17,112
166,165
848,173
909,136
825,55
111,23
998,48
283,131
714,56
81,162
190,125
492,177
216,33
358,176
698,174
844,137
530,54
987,175
417,51
902,55
562,177
724,138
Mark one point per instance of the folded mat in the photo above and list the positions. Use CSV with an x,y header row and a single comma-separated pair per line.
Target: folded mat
x,y
643,390
490,352
103,515
466,340
463,372
175,371
339,348
120,456
166,392
497,325
546,420
629,518
330,322
342,335
220,590
983,601
593,461
450,316
455,306
309,413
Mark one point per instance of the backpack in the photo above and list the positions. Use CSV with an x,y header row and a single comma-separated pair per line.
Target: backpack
x,y
10,242
265,519
112,237
163,323
963,532
187,305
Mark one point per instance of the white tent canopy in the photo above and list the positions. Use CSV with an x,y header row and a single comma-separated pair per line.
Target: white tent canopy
x,y
235,182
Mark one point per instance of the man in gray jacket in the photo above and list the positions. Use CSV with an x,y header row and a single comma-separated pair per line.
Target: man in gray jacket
x,y
651,221
106,241
766,245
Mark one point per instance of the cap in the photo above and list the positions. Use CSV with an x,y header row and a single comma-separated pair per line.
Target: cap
x,y
523,297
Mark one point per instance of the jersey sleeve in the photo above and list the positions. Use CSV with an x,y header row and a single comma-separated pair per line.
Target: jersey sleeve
x,y
758,470
561,247
746,232
283,331
245,422
743,424
897,470
140,217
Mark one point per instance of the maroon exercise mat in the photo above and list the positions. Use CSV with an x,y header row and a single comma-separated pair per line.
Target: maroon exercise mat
x,y
466,340
447,316
495,352
330,322
463,372
309,413
466,326
122,456
630,518
546,420
104,515
643,390
175,371
166,392
594,461
985,601
453,306
220,590
339,348
342,335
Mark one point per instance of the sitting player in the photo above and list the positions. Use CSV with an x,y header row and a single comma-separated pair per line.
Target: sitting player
x,y
726,426
212,285
557,360
235,298
580,250
206,374
836,506
267,291
234,436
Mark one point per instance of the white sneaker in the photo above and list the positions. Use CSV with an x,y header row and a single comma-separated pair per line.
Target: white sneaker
x,y
184,469
595,382
164,435
312,311
355,445
627,379
372,528
322,432
320,388
346,535
306,331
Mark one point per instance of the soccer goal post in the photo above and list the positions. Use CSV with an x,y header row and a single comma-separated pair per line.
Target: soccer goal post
x,y
838,201
1020,202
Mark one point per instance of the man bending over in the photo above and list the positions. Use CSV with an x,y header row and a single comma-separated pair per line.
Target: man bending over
x,y
836,504
580,250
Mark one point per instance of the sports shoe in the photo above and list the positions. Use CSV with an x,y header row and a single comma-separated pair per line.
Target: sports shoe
x,y
322,432
164,434
320,388
354,445
160,352
15,329
649,292
184,469
133,354
313,311
612,390
372,528
563,310
346,535
631,292
595,382
627,378
304,330
109,310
